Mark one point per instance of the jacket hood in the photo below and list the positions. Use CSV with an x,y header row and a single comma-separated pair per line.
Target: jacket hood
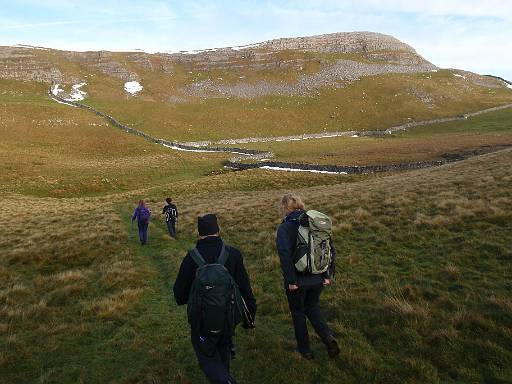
x,y
209,240
294,215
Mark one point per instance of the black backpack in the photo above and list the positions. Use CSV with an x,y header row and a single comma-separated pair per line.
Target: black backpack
x,y
170,213
215,303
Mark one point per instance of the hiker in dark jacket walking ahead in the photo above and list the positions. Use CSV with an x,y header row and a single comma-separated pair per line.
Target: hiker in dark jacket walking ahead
x,y
213,350
302,290
171,216
142,214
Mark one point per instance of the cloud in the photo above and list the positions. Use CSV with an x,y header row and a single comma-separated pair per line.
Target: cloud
x,y
500,9
467,34
84,22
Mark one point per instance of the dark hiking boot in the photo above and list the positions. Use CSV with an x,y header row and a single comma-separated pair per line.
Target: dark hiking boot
x,y
307,355
332,348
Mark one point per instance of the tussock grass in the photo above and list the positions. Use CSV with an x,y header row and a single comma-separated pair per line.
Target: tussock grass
x,y
452,271
69,276
396,302
114,305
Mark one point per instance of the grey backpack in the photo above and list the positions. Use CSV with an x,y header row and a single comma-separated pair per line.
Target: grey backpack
x,y
313,253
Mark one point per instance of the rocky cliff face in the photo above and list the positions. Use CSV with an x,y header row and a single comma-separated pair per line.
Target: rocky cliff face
x,y
344,42
373,46
23,63
288,66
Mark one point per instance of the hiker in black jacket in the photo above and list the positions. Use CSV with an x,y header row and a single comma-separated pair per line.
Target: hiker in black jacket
x,y
213,351
171,216
302,290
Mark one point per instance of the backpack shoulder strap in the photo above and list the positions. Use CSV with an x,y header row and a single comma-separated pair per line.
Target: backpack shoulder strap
x,y
224,254
196,256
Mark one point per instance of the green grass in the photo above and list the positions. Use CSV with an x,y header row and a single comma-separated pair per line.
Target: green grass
x,y
422,143
49,149
375,102
372,103
421,292
498,122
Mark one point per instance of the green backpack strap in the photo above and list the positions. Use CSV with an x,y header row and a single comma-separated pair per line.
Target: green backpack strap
x,y
224,254
196,256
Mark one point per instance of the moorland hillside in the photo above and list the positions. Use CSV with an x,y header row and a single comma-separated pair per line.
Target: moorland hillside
x,y
422,289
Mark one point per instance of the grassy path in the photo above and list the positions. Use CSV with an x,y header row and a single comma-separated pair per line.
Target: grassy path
x,y
163,324
421,295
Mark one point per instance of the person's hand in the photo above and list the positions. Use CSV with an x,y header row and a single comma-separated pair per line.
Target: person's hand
x,y
292,287
327,281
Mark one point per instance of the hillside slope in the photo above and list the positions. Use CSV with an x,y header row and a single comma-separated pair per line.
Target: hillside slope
x,y
421,291
334,82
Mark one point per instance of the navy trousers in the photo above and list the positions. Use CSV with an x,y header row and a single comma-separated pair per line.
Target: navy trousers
x,y
214,355
143,232
304,303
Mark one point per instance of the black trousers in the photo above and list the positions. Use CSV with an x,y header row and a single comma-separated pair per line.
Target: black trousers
x,y
304,303
171,227
214,356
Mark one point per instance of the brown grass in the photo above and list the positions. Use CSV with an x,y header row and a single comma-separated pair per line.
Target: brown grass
x,y
115,305
396,302
50,149
74,253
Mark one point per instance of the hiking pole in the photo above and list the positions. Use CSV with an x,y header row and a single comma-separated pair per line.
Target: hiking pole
x,y
248,321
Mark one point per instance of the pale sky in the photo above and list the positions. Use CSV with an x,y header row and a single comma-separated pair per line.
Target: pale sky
x,y
474,35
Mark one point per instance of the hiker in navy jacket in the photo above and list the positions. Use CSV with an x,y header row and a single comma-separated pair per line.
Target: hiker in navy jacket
x,y
142,214
214,351
302,290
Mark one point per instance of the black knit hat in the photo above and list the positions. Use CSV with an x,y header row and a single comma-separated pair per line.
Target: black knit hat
x,y
207,225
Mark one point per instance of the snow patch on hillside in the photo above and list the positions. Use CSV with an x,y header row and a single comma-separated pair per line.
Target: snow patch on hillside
x,y
188,149
76,93
301,170
241,47
30,47
133,87
207,50
56,90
